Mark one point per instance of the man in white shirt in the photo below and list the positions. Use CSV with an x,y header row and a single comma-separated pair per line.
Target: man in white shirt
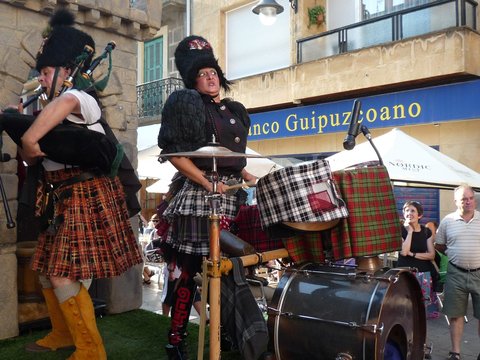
x,y
458,237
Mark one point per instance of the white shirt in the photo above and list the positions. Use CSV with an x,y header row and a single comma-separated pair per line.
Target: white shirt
x,y
91,114
462,239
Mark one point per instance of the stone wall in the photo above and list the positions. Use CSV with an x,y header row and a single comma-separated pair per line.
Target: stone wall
x,y
21,25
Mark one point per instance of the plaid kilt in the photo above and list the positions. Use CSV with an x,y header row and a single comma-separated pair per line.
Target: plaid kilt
x,y
188,213
96,239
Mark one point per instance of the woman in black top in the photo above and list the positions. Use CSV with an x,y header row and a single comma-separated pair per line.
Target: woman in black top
x,y
418,252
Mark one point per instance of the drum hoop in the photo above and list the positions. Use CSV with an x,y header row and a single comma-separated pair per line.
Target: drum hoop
x,y
312,226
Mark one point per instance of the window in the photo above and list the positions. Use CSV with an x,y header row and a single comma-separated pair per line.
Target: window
x,y
152,97
374,8
253,48
153,66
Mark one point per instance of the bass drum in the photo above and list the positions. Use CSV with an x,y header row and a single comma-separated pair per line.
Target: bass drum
x,y
335,312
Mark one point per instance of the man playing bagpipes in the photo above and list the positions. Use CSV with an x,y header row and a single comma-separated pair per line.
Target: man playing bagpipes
x,y
87,233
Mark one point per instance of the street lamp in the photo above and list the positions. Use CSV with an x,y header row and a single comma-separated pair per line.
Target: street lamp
x,y
268,10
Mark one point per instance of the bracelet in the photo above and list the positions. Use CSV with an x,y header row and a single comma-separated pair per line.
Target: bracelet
x,y
414,254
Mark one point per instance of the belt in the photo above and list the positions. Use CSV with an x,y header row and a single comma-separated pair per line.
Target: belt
x,y
463,269
84,176
224,172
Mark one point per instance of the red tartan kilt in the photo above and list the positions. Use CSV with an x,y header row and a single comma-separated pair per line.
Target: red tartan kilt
x,y
96,239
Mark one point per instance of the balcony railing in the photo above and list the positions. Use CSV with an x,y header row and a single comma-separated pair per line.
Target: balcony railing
x,y
406,23
151,97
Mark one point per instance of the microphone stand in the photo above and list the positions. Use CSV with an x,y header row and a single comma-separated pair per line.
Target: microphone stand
x,y
368,136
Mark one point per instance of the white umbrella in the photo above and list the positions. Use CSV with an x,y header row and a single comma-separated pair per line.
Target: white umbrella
x,y
260,166
409,162
149,167
160,187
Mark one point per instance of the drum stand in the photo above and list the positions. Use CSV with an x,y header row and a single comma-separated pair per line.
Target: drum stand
x,y
214,266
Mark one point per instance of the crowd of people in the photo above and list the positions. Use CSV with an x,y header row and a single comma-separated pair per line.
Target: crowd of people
x,y
456,238
106,245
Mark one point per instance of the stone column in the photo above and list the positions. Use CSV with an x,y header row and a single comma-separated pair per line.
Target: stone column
x,y
8,259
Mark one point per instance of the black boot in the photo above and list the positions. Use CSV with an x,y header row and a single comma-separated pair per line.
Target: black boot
x,y
177,352
183,299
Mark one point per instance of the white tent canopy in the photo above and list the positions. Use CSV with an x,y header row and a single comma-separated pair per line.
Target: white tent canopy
x,y
149,167
409,162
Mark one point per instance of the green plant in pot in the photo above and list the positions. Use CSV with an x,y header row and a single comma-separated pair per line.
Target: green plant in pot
x,y
316,15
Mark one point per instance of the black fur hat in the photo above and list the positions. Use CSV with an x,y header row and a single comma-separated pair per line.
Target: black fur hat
x,y
62,43
194,53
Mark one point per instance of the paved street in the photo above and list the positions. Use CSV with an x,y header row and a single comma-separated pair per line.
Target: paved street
x,y
439,337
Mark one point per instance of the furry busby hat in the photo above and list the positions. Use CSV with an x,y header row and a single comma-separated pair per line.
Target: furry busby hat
x,y
62,43
194,53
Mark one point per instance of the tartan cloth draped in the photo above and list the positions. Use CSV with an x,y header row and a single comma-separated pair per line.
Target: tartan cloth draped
x,y
372,227
302,193
250,230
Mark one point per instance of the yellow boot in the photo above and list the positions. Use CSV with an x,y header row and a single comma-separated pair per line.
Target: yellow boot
x,y
60,336
80,317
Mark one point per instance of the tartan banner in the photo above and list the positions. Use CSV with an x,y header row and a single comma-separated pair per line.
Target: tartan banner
x,y
373,226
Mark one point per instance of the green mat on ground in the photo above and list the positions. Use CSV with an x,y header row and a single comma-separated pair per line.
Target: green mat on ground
x,y
137,334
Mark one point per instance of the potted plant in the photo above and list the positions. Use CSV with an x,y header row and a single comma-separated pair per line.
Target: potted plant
x,y
316,15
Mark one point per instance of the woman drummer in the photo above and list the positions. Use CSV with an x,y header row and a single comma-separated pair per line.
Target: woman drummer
x,y
90,235
192,118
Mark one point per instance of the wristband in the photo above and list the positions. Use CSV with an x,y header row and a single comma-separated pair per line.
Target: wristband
x,y
414,254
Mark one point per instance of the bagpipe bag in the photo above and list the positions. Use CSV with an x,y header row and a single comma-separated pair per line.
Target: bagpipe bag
x,y
76,145
66,143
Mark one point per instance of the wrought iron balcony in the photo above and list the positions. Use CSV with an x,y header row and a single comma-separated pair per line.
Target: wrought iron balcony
x,y
415,21
151,97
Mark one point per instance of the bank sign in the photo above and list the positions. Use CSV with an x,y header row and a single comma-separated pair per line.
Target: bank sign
x,y
452,102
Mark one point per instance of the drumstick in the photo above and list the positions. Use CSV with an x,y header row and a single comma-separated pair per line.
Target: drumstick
x,y
239,186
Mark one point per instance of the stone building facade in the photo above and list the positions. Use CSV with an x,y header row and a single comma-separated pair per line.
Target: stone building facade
x,y
433,59
21,25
